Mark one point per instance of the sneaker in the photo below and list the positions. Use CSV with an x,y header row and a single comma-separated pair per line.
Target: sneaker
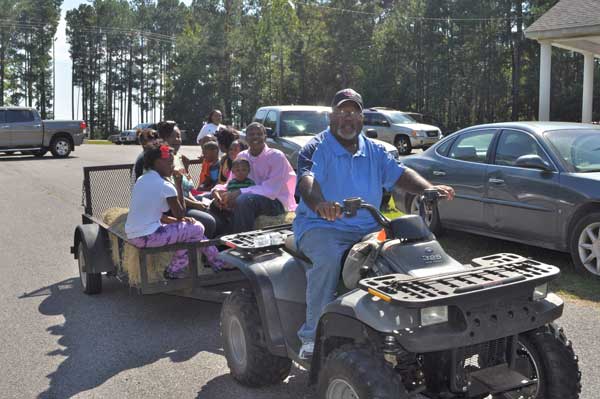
x,y
306,351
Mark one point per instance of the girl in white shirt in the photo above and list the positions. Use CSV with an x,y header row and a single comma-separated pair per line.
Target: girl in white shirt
x,y
211,127
153,195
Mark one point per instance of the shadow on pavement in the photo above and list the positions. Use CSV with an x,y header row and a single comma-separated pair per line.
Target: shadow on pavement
x,y
105,334
225,386
27,158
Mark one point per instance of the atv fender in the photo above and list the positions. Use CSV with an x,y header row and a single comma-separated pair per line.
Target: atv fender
x,y
95,238
275,278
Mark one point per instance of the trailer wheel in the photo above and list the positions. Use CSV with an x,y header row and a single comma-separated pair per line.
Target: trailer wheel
x,y
248,359
356,372
91,283
546,354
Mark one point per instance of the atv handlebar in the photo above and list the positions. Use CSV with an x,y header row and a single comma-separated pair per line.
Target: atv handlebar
x,y
351,206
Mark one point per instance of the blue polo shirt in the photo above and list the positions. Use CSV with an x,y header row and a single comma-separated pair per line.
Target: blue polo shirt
x,y
342,175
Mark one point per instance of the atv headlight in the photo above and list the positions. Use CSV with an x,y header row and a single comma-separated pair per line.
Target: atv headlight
x,y
434,315
540,292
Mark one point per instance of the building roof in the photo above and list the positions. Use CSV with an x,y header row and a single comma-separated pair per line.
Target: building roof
x,y
568,18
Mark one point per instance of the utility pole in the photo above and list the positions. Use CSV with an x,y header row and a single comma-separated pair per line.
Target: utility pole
x,y
53,80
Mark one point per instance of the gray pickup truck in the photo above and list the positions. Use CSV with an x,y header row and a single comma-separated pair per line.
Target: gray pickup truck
x,y
22,129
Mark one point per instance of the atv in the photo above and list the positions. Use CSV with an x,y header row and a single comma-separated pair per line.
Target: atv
x,y
408,320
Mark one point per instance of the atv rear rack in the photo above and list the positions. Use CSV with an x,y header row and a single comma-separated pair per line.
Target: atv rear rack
x,y
256,241
491,272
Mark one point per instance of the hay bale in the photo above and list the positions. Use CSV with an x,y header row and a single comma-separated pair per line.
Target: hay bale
x,y
265,221
129,262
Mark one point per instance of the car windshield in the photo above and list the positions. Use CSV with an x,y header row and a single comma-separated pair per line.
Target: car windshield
x,y
400,117
580,149
303,123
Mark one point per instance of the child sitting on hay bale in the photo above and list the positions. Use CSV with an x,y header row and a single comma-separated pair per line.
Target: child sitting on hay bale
x,y
153,195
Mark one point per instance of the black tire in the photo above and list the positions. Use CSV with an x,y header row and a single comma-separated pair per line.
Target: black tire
x,y
249,361
551,359
91,283
591,220
434,223
61,146
39,153
356,368
402,144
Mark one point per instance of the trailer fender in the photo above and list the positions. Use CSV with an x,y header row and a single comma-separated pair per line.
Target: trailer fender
x,y
95,239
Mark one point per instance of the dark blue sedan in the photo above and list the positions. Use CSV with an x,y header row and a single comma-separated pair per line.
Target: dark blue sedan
x,y
533,182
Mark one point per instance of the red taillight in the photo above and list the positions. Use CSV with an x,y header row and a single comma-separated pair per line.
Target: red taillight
x,y
83,125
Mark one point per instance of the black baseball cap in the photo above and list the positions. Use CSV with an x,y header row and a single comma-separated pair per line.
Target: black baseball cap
x,y
347,95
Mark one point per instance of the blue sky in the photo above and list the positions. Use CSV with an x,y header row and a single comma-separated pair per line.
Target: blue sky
x,y
63,66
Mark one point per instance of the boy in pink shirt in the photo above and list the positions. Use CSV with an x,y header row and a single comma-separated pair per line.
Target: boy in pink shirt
x,y
273,193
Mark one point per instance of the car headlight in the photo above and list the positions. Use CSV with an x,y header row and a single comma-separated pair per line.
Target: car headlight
x,y
434,315
540,292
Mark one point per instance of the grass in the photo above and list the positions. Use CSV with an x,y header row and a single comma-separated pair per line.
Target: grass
x,y
97,142
578,288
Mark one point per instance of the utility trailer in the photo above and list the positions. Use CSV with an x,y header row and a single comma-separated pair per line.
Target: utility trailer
x,y
101,248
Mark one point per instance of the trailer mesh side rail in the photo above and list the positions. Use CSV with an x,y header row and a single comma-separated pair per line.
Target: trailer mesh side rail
x,y
106,187
511,269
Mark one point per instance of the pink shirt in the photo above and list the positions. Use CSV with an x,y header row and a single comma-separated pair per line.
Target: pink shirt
x,y
274,176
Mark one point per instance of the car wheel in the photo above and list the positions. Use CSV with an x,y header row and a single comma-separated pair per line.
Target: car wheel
x,y
402,143
60,147
585,245
432,218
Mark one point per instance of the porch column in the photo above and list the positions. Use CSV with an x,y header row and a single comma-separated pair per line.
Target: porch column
x,y
545,66
588,87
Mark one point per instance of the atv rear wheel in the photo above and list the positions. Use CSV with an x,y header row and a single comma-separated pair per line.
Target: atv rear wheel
x,y
248,359
546,355
355,372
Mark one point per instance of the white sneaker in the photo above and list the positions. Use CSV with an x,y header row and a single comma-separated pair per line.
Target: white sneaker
x,y
306,351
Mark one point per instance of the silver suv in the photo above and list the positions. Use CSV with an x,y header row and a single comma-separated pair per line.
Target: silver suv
x,y
400,129
290,127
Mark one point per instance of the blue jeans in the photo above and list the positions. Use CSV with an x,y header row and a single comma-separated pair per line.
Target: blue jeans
x,y
250,206
325,247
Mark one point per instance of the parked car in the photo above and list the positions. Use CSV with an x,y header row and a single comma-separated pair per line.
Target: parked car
x,y
289,127
114,138
22,129
400,129
536,183
130,136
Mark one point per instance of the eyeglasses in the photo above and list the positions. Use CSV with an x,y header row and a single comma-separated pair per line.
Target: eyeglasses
x,y
348,114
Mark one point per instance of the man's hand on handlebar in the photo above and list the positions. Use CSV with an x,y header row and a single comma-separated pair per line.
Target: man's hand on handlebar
x,y
329,210
446,192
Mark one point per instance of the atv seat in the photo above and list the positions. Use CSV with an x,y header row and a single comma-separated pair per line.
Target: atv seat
x,y
291,248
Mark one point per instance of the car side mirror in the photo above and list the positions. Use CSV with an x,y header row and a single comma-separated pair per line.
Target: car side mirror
x,y
371,133
270,132
532,161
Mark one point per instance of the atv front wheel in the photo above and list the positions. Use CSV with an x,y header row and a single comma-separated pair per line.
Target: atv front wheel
x,y
249,360
546,355
355,372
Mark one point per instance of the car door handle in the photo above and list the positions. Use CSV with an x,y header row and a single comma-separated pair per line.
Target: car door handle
x,y
439,173
495,181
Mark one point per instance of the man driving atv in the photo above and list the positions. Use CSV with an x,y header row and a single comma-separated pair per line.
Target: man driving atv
x,y
345,164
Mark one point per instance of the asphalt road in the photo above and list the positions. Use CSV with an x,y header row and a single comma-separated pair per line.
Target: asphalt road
x,y
57,342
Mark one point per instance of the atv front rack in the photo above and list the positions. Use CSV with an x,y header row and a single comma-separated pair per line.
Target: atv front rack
x,y
492,272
